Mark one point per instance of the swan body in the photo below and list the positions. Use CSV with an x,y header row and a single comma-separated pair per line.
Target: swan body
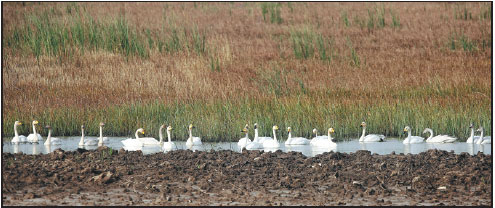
x,y
412,139
272,143
438,138
133,143
295,140
149,141
168,145
18,138
258,138
52,140
193,141
317,138
324,142
472,139
243,142
34,137
87,141
370,137
483,140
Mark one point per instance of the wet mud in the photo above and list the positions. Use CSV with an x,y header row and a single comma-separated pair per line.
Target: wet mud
x,y
183,177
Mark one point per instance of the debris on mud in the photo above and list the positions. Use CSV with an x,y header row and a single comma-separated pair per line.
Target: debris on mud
x,y
109,177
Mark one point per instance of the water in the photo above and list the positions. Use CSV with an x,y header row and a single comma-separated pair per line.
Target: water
x,y
71,143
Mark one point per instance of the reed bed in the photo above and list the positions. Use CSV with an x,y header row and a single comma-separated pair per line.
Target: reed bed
x,y
222,65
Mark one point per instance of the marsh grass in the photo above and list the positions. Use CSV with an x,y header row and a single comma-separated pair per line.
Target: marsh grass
x,y
222,120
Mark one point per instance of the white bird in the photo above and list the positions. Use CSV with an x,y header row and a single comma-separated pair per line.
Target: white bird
x,y
316,138
193,141
438,138
295,140
472,138
412,139
327,142
51,140
148,140
18,138
243,142
167,145
101,139
34,137
258,138
484,140
370,137
134,143
88,141
272,143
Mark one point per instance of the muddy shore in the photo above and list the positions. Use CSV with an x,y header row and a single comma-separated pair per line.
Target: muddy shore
x,y
183,177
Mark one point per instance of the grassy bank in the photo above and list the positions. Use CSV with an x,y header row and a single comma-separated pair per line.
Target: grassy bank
x,y
223,120
221,65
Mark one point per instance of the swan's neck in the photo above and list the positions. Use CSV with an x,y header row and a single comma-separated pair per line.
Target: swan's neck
x,y
168,135
290,136
362,135
431,134
471,138
329,136
247,135
136,135
408,134
15,131
481,137
34,129
316,133
160,134
49,138
100,140
274,135
190,133
82,137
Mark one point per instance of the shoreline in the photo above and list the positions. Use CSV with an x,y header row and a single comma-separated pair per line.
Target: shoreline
x,y
183,177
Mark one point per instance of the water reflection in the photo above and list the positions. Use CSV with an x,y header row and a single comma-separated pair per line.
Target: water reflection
x,y
16,148
71,144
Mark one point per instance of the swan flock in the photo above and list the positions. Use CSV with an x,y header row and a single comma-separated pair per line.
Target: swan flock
x,y
244,142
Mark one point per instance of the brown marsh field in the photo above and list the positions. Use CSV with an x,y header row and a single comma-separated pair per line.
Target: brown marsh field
x,y
221,65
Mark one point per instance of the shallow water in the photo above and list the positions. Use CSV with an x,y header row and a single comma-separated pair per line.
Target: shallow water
x,y
71,143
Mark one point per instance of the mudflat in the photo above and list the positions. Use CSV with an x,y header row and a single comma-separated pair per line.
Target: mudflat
x,y
109,177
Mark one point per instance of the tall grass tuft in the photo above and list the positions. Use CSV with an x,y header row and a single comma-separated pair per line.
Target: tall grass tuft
x,y
345,19
273,9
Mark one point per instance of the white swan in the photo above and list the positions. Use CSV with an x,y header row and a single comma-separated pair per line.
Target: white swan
x,y
193,141
34,137
102,139
472,138
134,143
438,138
167,145
18,138
412,139
316,138
484,140
243,142
295,140
148,140
51,140
370,137
258,138
88,141
327,142
272,143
